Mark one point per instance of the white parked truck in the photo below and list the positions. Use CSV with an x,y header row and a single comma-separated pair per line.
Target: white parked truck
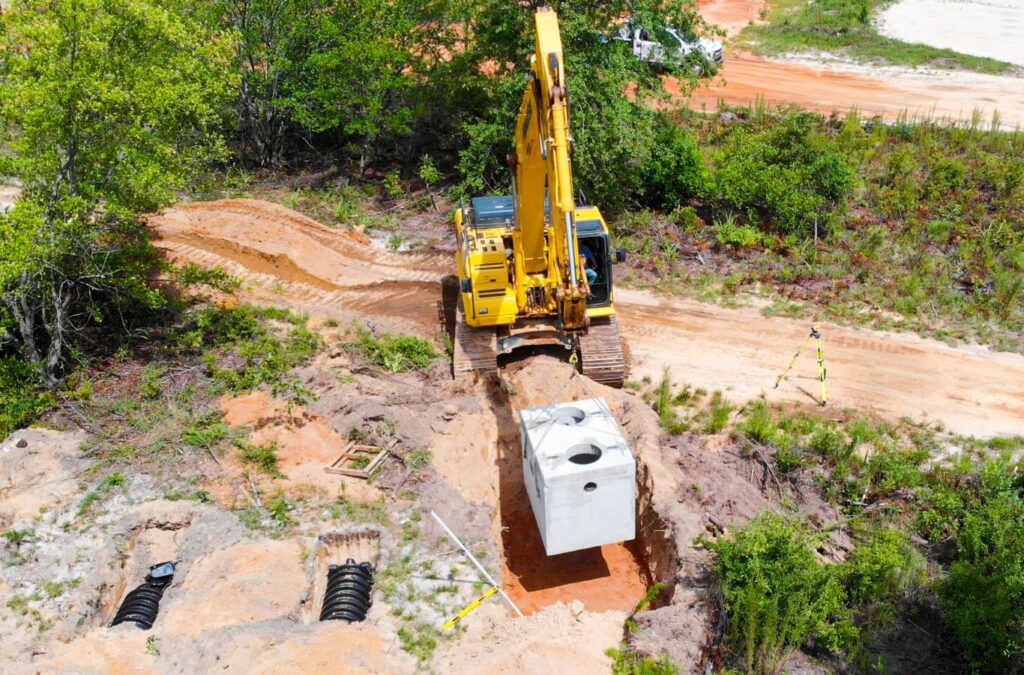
x,y
668,44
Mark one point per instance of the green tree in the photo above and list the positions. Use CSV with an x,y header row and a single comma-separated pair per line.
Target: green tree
x,y
366,73
269,48
609,92
107,109
789,178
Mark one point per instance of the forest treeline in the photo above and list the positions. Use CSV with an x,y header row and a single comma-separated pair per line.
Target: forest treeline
x,y
110,108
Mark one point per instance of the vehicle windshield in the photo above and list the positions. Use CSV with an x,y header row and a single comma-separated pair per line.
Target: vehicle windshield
x,y
683,37
667,37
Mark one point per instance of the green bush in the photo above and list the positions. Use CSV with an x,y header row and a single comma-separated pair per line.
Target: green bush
x,y
626,661
882,568
734,235
759,424
22,397
397,353
263,457
247,334
785,178
674,173
983,596
778,594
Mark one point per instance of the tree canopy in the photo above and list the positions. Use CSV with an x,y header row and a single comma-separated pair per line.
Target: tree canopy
x,y
108,108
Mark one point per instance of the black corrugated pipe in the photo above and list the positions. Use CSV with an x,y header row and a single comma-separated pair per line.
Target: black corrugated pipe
x,y
349,590
142,605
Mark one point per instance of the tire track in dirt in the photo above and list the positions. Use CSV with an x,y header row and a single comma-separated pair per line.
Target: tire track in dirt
x,y
283,257
970,389
392,306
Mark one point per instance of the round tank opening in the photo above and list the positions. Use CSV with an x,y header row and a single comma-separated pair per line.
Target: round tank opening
x,y
590,487
568,416
585,453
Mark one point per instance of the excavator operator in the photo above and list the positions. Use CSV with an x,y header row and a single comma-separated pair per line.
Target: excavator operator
x,y
587,256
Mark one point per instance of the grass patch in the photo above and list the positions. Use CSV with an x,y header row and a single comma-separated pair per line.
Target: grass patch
x,y
244,349
395,353
419,639
263,457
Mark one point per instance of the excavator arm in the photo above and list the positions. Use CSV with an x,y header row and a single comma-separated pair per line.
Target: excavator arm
x,y
521,280
545,246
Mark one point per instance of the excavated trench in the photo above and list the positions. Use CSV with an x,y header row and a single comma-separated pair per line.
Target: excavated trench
x,y
610,577
147,544
335,548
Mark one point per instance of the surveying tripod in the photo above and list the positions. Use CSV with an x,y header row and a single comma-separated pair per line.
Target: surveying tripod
x,y
816,334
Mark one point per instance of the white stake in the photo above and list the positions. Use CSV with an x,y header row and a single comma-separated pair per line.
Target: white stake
x,y
476,562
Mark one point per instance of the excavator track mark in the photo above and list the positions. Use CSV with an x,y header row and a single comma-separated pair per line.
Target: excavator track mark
x,y
601,355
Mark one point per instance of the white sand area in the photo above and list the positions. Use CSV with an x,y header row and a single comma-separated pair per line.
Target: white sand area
x,y
993,28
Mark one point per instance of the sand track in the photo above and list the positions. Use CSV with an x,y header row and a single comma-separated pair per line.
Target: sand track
x,y
283,257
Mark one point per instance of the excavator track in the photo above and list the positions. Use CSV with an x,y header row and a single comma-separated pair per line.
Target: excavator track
x,y
601,355
474,349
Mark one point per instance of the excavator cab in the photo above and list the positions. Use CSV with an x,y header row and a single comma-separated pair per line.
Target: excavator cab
x,y
598,246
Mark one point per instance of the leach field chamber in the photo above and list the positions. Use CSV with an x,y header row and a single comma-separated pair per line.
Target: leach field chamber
x,y
580,475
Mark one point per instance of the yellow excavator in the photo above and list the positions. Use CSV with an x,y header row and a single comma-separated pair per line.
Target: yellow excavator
x,y
535,268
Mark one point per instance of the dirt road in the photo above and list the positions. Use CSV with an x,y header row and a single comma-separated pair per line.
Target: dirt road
x,y
284,257
826,84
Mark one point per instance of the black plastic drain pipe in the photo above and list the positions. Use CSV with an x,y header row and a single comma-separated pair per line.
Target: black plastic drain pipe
x,y
349,591
142,605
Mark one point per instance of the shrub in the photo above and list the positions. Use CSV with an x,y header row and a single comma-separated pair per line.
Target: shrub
x,y
983,596
883,567
22,397
759,424
206,431
396,353
788,177
718,410
264,457
674,172
734,235
777,593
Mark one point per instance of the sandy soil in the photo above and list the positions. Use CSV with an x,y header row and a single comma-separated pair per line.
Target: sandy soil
x,y
993,28
826,84
731,15
559,639
305,444
49,460
970,389
8,195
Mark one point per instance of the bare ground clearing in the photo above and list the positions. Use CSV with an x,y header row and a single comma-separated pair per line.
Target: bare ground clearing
x,y
285,258
828,83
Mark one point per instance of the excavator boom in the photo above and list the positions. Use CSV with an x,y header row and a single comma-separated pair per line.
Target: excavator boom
x,y
522,279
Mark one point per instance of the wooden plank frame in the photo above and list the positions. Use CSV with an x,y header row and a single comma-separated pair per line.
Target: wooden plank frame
x,y
352,451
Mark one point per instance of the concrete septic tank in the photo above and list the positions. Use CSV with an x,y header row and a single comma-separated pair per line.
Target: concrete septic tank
x,y
580,475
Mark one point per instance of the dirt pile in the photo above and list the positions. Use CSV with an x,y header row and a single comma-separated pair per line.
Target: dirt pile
x,y
560,638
